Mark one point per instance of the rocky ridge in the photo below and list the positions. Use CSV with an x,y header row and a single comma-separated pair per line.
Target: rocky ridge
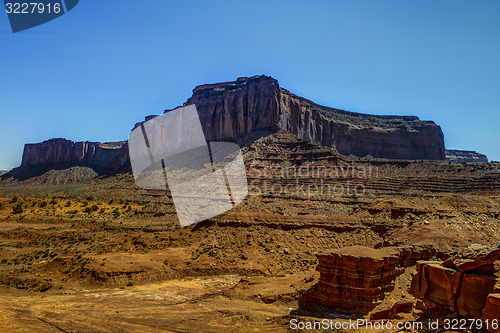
x,y
109,155
355,279
230,111
57,159
351,133
464,156
467,284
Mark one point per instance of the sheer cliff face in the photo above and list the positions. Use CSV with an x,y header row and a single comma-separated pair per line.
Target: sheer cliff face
x,y
394,137
231,110
112,155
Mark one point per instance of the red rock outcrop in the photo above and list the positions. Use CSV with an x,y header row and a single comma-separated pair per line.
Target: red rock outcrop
x,y
110,155
230,111
442,292
476,257
492,310
351,133
355,279
465,283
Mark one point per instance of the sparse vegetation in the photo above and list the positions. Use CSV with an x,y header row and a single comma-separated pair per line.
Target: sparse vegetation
x,y
18,209
112,236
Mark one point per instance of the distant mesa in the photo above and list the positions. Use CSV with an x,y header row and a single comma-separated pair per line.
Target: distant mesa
x,y
231,111
464,156
102,156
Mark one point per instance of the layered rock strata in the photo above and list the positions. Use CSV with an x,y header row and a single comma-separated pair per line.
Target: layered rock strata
x,y
354,280
110,155
230,111
350,133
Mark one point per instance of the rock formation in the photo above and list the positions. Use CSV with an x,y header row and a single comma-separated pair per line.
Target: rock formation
x,y
55,152
355,279
230,111
350,133
466,284
491,309
464,156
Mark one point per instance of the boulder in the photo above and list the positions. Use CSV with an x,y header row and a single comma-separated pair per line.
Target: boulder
x,y
463,284
437,285
475,257
473,294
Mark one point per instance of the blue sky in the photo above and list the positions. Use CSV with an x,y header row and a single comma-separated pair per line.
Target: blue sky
x,y
94,72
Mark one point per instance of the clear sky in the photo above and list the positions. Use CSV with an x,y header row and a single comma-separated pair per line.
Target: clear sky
x,y
94,72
